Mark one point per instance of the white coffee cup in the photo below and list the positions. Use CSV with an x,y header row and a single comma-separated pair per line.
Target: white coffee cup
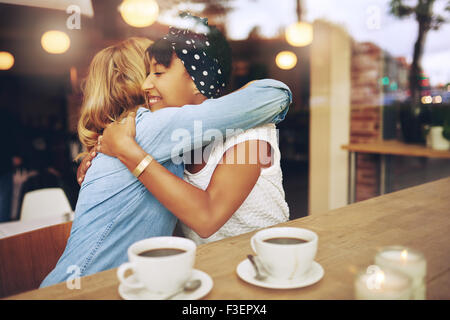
x,y
159,274
438,141
285,261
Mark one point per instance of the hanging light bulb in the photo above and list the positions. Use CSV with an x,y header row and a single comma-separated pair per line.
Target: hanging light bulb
x,y
299,34
139,13
55,42
286,60
6,60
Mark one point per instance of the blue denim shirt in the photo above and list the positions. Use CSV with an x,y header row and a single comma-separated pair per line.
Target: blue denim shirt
x,y
114,208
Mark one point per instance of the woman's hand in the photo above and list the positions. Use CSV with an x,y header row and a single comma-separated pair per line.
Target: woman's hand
x,y
118,136
84,166
115,138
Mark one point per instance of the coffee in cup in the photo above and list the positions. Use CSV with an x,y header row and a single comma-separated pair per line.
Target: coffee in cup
x,y
285,240
162,265
286,253
162,252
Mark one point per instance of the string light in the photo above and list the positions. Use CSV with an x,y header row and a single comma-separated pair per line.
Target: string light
x,y
55,42
286,60
139,13
6,60
299,34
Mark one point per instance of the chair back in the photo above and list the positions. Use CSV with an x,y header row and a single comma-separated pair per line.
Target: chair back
x,y
44,203
27,258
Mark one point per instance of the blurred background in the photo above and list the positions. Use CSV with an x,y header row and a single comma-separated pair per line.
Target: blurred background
x,y
360,72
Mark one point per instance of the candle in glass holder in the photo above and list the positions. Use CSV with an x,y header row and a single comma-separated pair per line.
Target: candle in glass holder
x,y
382,284
408,261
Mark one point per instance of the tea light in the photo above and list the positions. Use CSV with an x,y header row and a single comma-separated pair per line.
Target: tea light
x,y
408,261
382,284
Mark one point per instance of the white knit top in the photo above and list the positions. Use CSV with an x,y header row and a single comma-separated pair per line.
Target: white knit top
x,y
264,206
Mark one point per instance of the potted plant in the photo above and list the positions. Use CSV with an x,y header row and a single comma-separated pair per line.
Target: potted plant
x,y
414,119
439,132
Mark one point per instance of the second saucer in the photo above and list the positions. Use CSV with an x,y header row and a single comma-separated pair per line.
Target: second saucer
x,y
247,273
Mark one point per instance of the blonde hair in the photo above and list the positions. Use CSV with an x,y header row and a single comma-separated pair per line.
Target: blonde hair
x,y
112,88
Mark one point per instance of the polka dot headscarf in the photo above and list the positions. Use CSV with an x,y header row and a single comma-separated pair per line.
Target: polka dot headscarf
x,y
192,47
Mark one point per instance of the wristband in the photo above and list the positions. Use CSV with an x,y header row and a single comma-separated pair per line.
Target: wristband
x,y
142,165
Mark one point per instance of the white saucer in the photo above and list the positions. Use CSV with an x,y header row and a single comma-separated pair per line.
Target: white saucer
x,y
128,293
247,273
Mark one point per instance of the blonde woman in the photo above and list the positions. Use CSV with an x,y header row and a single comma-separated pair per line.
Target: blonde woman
x,y
114,208
112,88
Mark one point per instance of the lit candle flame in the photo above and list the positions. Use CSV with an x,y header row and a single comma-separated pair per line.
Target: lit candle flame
x,y
376,278
379,279
404,255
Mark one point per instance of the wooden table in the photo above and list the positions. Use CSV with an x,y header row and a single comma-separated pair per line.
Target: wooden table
x,y
385,148
349,237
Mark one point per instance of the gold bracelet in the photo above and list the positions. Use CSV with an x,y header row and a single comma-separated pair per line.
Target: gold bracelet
x,y
142,165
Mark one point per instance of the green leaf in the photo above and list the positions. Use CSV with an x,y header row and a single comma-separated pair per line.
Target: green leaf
x,y
399,9
446,132
446,115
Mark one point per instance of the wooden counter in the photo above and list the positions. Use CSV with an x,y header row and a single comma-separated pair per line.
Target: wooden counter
x,y
349,237
394,147
385,148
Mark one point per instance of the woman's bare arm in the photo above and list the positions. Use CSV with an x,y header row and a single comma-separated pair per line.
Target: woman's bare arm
x,y
204,211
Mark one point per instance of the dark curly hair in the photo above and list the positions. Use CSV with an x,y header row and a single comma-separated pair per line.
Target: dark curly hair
x,y
162,51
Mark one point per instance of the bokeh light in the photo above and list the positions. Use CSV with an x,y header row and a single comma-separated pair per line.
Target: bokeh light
x,y
426,99
139,13
299,34
286,60
55,42
6,60
437,99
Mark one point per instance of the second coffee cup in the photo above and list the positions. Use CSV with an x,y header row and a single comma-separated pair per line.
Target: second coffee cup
x,y
286,253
